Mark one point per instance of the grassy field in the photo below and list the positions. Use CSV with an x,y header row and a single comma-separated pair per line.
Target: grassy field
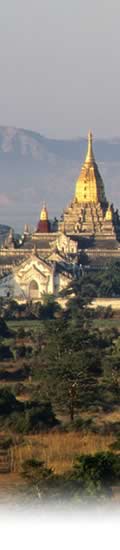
x,y
35,325
26,323
58,451
107,323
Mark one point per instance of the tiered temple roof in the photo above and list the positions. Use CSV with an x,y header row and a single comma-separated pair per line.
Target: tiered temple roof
x,y
89,213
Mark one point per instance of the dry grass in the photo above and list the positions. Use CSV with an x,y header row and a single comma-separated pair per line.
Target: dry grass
x,y
101,417
58,450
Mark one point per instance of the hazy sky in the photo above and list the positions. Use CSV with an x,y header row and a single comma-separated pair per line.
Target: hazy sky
x,y
60,66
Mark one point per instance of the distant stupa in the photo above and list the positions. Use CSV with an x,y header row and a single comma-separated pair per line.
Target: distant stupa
x,y
43,224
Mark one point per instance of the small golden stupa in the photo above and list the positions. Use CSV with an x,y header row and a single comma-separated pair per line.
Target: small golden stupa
x,y
89,186
44,213
43,224
108,215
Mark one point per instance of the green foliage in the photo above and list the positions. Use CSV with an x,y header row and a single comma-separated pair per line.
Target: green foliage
x,y
6,442
97,473
39,416
116,445
91,476
4,331
48,309
7,401
23,351
102,283
72,363
5,353
35,470
73,351
11,310
32,417
21,333
104,312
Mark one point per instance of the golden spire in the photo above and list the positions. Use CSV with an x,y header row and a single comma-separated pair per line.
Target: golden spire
x,y
89,185
44,213
89,156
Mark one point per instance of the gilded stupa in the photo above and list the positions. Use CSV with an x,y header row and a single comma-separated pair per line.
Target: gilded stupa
x,y
43,224
89,215
89,186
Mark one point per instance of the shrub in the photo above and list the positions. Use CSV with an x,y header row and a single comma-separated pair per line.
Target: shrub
x,y
82,424
5,353
21,333
116,445
29,418
35,470
4,331
39,416
20,352
97,473
6,442
8,401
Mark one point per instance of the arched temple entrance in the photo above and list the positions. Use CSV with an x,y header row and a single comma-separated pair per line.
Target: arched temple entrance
x,y
33,290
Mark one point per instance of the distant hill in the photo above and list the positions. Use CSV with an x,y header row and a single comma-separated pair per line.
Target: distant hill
x,y
34,168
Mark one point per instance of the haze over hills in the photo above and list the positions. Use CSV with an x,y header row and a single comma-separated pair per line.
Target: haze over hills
x,y
34,169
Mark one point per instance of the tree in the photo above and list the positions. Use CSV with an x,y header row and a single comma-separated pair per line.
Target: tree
x,y
35,470
49,308
8,401
4,331
5,353
21,333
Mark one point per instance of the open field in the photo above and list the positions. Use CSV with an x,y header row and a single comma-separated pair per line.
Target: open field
x,y
26,323
58,451
35,325
107,323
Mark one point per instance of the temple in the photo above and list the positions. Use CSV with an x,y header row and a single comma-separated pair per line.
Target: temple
x,y
88,234
89,217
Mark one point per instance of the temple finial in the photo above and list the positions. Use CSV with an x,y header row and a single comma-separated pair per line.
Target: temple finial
x,y
44,213
89,156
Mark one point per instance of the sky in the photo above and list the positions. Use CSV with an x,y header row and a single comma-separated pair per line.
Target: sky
x,y
59,66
